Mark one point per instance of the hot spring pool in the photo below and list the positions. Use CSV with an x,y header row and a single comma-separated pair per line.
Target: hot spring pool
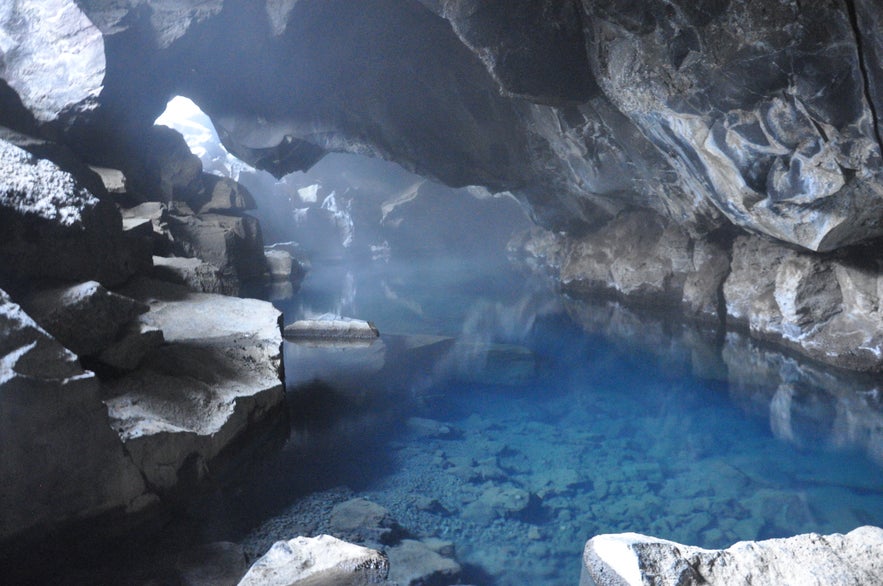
x,y
515,424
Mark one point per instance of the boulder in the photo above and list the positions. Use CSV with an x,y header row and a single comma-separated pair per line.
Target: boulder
x,y
164,169
224,195
195,274
51,227
60,461
86,318
808,559
331,326
827,307
233,244
314,561
218,372
136,341
279,263
34,35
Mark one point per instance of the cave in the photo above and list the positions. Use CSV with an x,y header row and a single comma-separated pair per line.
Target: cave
x,y
441,292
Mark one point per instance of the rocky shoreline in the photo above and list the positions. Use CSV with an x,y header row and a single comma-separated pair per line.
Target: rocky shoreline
x,y
181,373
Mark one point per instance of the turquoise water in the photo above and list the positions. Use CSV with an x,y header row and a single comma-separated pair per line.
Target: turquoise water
x,y
516,424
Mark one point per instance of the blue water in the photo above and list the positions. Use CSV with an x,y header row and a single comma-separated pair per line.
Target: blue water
x,y
516,424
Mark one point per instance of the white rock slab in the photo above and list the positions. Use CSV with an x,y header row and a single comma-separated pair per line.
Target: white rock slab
x,y
317,561
804,560
334,327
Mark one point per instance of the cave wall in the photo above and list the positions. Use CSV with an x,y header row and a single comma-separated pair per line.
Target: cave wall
x,y
722,117
763,115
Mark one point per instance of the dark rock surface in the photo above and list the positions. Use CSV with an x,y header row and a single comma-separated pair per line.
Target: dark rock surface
x,y
53,228
59,458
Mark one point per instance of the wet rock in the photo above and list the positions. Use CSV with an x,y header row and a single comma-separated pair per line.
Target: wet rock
x,y
217,373
413,563
497,501
647,259
317,560
330,326
86,318
361,520
826,307
59,458
52,227
630,558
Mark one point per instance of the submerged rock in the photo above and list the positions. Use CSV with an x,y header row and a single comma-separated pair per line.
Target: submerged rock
x,y
809,559
413,563
364,521
314,561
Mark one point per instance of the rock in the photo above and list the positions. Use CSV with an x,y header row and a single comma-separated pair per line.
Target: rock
x,y
305,561
639,255
497,501
193,273
279,263
361,520
224,196
218,372
330,326
429,428
822,306
520,59
134,344
34,35
60,461
165,169
231,243
51,227
634,559
86,318
413,563
114,180
214,564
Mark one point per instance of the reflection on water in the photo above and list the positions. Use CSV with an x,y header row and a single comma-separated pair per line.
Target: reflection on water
x,y
494,414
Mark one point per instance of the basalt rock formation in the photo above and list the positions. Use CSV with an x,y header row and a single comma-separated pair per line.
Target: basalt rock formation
x,y
720,117
720,155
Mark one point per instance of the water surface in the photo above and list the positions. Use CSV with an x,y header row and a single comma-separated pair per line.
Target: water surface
x,y
516,424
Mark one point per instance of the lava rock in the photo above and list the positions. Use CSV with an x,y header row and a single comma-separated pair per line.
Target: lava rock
x,y
51,227
59,458
218,372
317,560
630,558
